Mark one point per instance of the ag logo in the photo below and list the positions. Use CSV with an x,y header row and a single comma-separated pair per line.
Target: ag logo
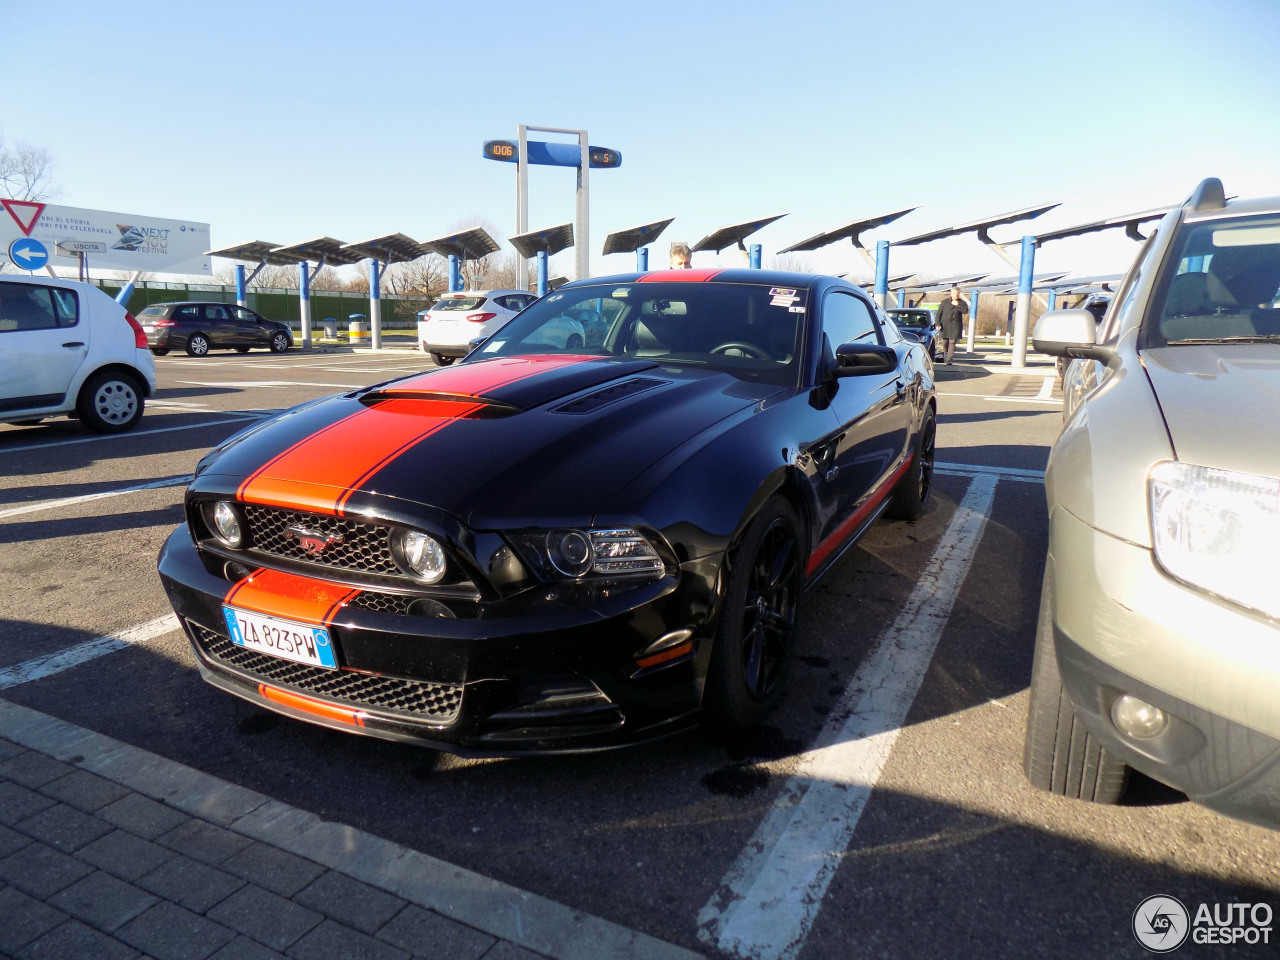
x,y
1161,923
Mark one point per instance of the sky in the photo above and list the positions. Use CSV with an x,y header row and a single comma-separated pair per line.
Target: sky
x,y
284,121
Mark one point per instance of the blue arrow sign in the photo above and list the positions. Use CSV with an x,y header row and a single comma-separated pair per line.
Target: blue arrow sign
x,y
28,253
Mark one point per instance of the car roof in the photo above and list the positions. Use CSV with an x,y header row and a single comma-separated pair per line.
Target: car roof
x,y
778,278
47,280
1237,208
459,294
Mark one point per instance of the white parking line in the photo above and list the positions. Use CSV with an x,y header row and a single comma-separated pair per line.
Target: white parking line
x,y
1046,388
768,900
975,470
85,498
41,667
270,383
987,396
129,435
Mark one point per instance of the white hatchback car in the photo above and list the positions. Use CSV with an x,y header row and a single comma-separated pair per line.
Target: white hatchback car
x,y
446,331
66,348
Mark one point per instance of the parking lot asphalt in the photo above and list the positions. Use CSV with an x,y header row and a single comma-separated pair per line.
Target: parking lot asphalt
x,y
934,845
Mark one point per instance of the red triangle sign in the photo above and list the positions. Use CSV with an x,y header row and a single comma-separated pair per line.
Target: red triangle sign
x,y
25,213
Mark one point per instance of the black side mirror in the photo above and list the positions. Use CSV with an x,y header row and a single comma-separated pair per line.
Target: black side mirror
x,y
864,359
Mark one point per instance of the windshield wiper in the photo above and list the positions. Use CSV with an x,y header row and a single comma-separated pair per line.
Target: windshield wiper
x,y
1253,338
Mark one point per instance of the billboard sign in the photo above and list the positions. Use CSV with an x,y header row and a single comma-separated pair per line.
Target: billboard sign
x,y
111,241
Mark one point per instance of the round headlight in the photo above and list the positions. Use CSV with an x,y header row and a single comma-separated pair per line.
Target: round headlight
x,y
226,524
570,552
423,556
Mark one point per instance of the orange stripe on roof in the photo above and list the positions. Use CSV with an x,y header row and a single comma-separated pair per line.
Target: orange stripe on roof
x,y
679,276
279,594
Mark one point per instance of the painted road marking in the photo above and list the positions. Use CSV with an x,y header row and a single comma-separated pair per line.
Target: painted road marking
x,y
987,396
270,383
41,667
975,470
177,404
130,434
768,900
68,501
1046,388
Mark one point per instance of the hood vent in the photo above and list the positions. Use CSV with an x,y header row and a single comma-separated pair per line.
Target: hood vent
x,y
610,394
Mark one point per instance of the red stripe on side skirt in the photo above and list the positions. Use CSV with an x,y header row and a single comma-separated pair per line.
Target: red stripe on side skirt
x,y
680,276
850,526
279,594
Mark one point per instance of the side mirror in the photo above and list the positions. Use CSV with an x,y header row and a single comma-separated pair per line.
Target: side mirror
x,y
864,359
1070,333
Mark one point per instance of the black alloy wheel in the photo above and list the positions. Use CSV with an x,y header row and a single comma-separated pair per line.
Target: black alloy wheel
x,y
911,495
757,626
197,345
279,342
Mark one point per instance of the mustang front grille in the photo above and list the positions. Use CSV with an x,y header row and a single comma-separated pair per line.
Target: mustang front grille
x,y
353,544
437,702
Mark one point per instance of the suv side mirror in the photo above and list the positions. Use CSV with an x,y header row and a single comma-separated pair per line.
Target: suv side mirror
x,y
864,359
1070,333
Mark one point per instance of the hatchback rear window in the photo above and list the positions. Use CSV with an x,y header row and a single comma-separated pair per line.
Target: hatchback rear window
x,y
153,312
459,303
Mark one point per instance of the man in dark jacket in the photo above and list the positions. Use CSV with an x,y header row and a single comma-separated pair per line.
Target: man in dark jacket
x,y
951,314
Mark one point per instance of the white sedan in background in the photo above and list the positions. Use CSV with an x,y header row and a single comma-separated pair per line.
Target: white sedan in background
x,y
445,331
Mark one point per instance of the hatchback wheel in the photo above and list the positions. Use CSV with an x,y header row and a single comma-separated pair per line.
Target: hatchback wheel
x,y
110,402
242,349
440,360
197,345
758,619
160,351
279,342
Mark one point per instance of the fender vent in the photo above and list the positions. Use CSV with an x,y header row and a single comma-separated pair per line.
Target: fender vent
x,y
610,394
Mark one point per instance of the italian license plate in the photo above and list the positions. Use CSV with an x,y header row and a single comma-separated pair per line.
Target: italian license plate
x,y
301,642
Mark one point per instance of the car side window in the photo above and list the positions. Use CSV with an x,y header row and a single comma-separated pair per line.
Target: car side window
x,y
846,319
26,307
186,313
245,314
67,306
216,313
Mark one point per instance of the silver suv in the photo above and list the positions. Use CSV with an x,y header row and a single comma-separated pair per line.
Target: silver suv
x,y
1158,645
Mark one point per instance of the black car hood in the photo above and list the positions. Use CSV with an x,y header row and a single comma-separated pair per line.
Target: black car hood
x,y
509,442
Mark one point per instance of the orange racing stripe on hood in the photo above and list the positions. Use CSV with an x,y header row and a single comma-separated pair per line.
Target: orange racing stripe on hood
x,y
478,379
292,597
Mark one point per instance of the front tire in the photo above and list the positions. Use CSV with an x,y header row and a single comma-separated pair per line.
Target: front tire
x,y
440,360
242,349
110,402
160,351
1060,755
754,638
911,495
279,342
197,345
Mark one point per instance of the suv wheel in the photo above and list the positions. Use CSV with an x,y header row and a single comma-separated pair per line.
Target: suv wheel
x,y
110,402
197,345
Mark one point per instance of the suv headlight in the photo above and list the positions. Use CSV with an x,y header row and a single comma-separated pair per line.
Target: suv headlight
x,y
1217,530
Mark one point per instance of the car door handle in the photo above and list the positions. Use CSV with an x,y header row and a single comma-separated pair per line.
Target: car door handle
x,y
74,343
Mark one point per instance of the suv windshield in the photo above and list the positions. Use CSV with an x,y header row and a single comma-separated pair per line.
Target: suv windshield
x,y
751,331
458,303
1223,284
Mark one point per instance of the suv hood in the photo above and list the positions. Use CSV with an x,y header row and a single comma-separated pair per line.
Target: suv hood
x,y
1219,403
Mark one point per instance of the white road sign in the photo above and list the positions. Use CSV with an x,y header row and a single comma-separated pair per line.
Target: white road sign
x,y
120,241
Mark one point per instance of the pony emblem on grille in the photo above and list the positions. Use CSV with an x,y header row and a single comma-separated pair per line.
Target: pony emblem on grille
x,y
314,542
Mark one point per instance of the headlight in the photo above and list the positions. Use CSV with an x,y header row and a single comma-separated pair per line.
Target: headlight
x,y
607,552
419,555
225,520
1217,530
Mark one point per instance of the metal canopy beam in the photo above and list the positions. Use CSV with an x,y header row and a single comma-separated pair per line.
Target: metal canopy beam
x,y
549,241
393,248
851,231
733,234
1129,221
978,226
633,238
1038,278
473,244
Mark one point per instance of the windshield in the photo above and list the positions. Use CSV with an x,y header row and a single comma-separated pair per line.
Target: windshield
x,y
917,321
751,331
1223,284
458,303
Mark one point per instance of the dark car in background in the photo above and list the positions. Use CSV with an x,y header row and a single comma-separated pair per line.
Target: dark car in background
x,y
918,324
201,327
560,545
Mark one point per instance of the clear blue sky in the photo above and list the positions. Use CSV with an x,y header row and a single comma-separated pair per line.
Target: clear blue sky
x,y
284,121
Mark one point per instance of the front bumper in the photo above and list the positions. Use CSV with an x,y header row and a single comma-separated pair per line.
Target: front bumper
x,y
1123,626
559,679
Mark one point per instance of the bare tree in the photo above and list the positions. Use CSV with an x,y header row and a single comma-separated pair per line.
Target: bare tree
x,y
791,263
26,172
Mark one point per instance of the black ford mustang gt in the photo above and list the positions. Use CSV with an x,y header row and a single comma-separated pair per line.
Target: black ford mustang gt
x,y
565,542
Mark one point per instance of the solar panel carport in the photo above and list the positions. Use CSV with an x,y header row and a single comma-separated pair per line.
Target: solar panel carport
x,y
543,244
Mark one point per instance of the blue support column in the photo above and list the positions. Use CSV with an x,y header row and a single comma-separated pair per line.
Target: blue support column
x,y
754,257
241,298
375,304
973,320
642,260
902,296
882,272
1053,300
122,297
304,302
542,273
1022,314
455,274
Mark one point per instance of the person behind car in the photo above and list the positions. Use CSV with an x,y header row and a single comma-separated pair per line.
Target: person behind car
x,y
951,314
681,256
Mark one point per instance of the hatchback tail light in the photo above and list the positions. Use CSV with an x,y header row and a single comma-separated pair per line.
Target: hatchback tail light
x,y
480,317
139,335
165,323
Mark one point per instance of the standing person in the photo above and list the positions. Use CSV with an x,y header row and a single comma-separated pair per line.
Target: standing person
x,y
951,314
681,256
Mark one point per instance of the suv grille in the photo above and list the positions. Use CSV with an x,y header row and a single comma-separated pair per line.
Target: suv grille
x,y
365,546
437,702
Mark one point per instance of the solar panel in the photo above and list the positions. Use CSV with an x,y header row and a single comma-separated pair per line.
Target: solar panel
x,y
848,231
1012,281
1129,222
256,251
472,244
393,248
550,241
1026,213
324,249
733,234
631,240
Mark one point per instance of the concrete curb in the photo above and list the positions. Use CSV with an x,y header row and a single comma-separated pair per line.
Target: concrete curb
x,y
500,910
